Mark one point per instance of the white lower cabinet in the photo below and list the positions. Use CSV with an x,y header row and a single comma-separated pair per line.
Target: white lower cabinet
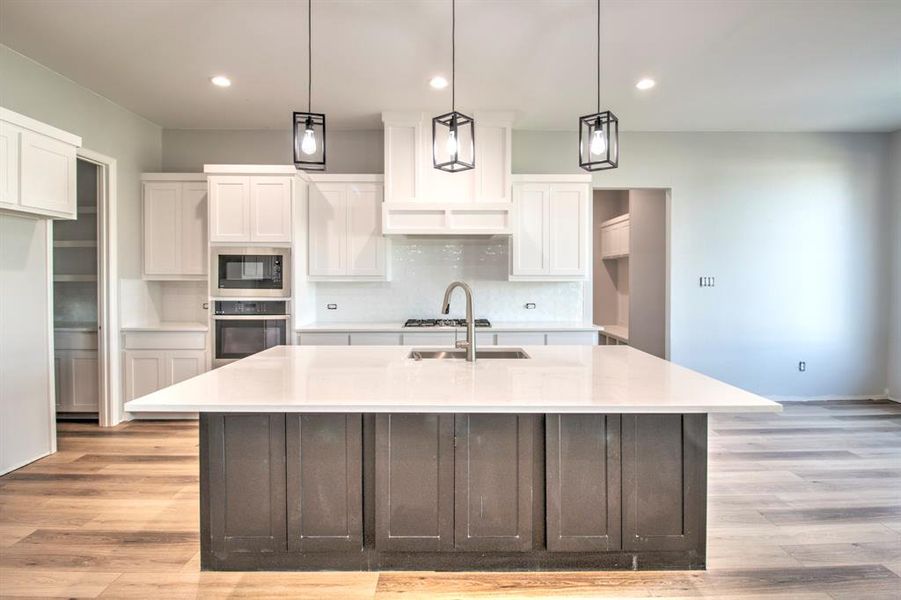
x,y
375,339
520,338
157,359
445,339
147,371
441,339
324,339
77,381
572,338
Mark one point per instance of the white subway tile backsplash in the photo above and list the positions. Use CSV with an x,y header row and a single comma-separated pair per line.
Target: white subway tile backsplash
x,y
421,268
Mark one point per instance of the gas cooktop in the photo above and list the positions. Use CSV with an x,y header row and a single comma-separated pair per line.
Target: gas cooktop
x,y
445,323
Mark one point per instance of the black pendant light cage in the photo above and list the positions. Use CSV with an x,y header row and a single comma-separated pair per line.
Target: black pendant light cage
x,y
599,132
454,139
599,141
309,127
453,133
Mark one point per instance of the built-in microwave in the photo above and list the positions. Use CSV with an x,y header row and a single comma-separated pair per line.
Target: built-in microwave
x,y
250,272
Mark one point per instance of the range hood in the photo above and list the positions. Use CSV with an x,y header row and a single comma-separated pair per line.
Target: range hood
x,y
422,200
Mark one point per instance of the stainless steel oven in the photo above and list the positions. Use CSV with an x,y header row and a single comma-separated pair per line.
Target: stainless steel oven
x,y
250,272
245,327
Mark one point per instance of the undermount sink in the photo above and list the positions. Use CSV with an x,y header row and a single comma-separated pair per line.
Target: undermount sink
x,y
460,354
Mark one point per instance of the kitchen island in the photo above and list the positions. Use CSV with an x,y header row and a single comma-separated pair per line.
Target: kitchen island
x,y
362,458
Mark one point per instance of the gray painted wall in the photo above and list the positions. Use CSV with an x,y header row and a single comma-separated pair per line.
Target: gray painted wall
x,y
136,143
894,353
187,150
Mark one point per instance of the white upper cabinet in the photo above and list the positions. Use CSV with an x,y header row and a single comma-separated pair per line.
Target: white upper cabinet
x,y
345,236
420,199
550,240
37,167
175,226
615,234
251,203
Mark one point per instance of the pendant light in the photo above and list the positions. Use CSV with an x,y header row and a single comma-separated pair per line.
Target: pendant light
x,y
309,127
599,132
453,133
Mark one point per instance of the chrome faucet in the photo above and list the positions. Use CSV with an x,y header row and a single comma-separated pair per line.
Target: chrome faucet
x,y
470,343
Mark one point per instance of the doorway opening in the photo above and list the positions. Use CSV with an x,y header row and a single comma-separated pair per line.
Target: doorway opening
x,y
631,268
75,302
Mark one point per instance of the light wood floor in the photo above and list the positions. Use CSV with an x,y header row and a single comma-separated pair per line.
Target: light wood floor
x,y
803,505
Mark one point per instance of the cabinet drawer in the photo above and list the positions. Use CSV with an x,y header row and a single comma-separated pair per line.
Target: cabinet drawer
x,y
572,338
521,338
161,340
324,339
438,338
75,340
375,339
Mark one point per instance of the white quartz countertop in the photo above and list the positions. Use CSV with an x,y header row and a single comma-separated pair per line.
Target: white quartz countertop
x,y
167,326
381,379
394,326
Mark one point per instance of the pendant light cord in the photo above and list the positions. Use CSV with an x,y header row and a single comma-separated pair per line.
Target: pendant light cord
x,y
453,54
599,55
309,54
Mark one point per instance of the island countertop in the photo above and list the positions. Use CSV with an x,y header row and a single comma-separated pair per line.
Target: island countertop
x,y
381,379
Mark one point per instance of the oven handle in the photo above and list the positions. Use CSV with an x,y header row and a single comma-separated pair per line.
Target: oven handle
x,y
251,317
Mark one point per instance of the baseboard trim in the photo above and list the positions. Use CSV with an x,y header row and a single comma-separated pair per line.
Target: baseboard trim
x,y
830,397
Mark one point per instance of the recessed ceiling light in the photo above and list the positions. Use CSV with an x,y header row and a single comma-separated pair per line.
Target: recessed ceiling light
x,y
438,82
645,84
220,81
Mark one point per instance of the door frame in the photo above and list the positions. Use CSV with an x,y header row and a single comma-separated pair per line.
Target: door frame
x,y
108,355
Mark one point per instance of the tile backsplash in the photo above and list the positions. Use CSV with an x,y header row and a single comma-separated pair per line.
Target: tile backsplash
x,y
421,268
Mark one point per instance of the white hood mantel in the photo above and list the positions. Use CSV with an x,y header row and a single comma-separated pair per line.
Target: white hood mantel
x,y
422,200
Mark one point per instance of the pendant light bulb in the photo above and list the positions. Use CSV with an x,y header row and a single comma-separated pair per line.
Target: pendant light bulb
x,y
598,143
308,145
451,144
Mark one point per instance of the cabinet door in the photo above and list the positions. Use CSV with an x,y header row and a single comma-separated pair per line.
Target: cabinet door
x,y
328,229
9,165
84,381
365,242
572,338
192,244
414,482
144,372
583,483
567,216
162,203
63,392
324,339
184,364
229,208
270,202
529,234
664,481
325,482
521,338
442,339
375,339
47,168
246,482
493,490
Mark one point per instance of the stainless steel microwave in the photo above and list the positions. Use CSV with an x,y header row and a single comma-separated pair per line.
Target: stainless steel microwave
x,y
250,272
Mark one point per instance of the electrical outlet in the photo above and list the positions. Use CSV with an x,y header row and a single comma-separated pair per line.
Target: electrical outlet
x,y
707,281
332,306
802,366
530,305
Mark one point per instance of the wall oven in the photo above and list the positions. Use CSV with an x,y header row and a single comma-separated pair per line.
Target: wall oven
x,y
245,327
250,272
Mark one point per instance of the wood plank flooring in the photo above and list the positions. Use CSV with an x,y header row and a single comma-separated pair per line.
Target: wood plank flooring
x,y
803,505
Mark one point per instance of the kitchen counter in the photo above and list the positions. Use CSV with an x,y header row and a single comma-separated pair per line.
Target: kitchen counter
x,y
397,327
167,326
359,458
559,379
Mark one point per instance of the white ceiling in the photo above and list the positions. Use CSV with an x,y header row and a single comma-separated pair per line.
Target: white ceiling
x,y
737,65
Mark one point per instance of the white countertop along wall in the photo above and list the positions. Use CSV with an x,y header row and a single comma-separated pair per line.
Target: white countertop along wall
x,y
555,379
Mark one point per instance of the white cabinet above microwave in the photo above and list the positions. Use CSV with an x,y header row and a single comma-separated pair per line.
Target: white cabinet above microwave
x,y
37,167
250,203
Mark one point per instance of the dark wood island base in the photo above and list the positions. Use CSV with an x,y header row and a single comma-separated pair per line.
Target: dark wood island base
x,y
474,492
